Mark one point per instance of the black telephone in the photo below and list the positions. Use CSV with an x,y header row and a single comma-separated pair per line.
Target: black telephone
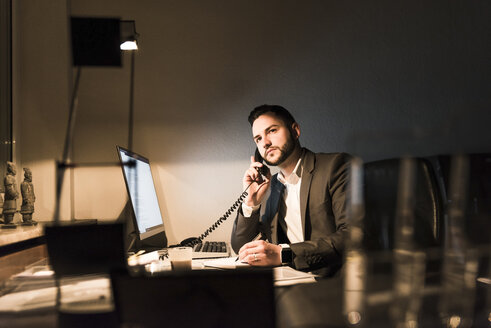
x,y
263,170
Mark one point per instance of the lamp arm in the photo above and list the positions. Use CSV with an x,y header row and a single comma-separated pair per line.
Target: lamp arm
x,y
61,166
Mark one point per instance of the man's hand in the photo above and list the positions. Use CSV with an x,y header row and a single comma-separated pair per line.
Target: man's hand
x,y
257,190
260,253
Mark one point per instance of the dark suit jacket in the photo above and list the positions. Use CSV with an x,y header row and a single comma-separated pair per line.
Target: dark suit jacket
x,y
323,209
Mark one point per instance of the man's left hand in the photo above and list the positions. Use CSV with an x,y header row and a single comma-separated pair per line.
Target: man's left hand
x,y
260,253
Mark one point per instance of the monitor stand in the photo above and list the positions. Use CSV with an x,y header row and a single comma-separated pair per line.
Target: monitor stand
x,y
132,242
153,243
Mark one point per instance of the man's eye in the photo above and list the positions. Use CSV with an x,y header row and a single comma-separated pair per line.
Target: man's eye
x,y
257,140
272,130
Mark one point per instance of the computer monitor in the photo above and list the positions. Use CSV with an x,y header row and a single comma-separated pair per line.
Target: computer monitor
x,y
147,217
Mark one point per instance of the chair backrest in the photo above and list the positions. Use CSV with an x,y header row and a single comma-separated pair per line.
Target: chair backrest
x,y
77,249
381,182
478,204
204,298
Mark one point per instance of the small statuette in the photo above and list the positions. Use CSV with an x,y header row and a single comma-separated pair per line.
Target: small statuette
x,y
11,195
28,198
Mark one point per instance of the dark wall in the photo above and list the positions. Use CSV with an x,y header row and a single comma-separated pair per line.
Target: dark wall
x,y
377,78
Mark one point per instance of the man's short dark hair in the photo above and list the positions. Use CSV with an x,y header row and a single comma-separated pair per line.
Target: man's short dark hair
x,y
279,111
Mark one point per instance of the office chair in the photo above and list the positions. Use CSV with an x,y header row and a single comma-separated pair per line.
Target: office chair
x,y
204,298
381,181
478,204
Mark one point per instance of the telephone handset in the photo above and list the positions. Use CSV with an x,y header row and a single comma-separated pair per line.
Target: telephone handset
x,y
189,241
263,170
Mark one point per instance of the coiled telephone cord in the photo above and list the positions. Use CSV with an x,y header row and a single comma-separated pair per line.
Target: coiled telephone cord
x,y
224,217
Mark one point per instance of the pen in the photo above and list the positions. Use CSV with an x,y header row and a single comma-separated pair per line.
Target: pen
x,y
259,235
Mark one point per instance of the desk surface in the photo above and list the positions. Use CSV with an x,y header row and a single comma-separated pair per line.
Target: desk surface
x,y
307,305
320,304
30,296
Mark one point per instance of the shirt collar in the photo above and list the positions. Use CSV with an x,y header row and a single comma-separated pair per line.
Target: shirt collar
x,y
296,174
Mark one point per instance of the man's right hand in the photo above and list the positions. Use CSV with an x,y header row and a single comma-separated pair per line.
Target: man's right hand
x,y
257,190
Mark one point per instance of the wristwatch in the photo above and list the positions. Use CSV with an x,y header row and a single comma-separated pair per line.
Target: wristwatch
x,y
286,254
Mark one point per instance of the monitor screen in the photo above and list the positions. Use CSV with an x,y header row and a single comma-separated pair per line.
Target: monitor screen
x,y
142,194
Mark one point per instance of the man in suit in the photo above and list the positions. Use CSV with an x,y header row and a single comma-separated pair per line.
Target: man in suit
x,y
303,222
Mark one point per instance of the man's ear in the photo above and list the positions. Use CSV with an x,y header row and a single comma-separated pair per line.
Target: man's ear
x,y
295,130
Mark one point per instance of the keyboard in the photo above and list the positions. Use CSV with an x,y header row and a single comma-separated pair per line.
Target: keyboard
x,y
211,249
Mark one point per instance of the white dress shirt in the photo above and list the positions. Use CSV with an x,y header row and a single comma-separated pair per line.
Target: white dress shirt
x,y
291,197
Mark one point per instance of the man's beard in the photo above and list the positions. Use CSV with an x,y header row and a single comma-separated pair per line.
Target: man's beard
x,y
286,150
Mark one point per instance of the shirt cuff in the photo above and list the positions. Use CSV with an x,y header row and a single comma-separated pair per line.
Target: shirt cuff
x,y
248,210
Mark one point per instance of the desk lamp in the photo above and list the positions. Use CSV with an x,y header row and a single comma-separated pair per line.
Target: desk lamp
x,y
95,42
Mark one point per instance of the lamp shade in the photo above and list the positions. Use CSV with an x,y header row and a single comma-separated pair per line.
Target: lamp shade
x,y
129,36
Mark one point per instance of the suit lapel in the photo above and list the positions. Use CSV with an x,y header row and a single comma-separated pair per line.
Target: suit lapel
x,y
307,173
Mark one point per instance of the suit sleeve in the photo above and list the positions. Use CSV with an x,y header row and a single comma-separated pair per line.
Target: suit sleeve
x,y
325,250
244,229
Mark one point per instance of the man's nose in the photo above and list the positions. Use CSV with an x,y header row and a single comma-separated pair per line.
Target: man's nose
x,y
266,142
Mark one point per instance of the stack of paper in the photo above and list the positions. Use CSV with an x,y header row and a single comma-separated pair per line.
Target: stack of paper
x,y
225,263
